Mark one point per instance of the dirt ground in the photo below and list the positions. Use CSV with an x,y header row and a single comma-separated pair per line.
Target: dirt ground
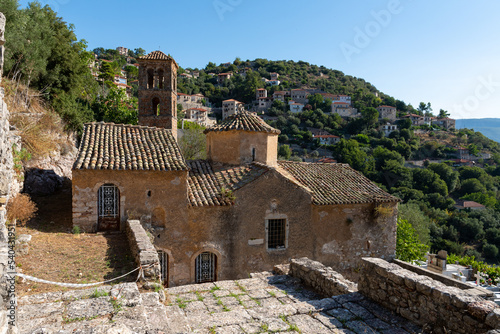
x,y
56,254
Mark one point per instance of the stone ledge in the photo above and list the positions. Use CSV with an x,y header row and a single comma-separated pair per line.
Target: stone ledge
x,y
142,249
322,279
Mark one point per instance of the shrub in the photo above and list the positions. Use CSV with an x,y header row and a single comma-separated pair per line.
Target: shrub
x,y
490,251
408,246
21,208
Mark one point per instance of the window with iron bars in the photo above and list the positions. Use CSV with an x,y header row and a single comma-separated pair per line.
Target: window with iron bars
x,y
276,234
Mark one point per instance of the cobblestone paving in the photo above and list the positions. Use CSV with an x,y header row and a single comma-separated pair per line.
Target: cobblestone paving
x,y
278,304
262,304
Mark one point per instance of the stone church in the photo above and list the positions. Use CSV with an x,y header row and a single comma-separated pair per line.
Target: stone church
x,y
239,211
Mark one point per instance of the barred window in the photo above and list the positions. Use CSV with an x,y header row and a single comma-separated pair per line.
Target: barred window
x,y
276,233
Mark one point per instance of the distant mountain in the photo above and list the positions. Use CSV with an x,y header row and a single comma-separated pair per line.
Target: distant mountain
x,y
490,127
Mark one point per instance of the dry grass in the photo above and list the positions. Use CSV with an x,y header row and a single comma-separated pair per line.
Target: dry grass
x,y
21,208
58,255
41,129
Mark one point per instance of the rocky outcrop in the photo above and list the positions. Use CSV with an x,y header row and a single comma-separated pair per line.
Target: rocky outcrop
x,y
41,182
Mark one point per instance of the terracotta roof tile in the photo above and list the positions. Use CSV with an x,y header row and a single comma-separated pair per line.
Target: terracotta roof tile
x,y
243,121
205,184
128,147
334,183
157,55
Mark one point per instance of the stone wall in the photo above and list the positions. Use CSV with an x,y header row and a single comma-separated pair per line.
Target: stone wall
x,y
6,177
424,301
447,280
322,279
143,250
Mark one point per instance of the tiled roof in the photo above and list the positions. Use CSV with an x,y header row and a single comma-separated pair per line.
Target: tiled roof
x,y
469,204
333,183
157,55
326,136
243,121
205,184
128,147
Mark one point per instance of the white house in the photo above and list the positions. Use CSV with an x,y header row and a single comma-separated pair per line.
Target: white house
x,y
328,139
295,107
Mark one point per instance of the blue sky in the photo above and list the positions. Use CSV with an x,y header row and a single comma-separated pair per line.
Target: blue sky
x,y
445,52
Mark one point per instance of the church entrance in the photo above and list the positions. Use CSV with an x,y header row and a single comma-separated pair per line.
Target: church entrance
x,y
108,208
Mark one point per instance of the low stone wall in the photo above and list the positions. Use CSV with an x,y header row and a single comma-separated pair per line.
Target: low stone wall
x,y
431,304
322,279
142,249
442,278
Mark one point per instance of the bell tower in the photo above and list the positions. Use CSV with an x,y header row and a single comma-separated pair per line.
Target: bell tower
x,y
158,91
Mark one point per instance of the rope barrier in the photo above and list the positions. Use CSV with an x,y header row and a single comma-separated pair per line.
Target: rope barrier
x,y
74,285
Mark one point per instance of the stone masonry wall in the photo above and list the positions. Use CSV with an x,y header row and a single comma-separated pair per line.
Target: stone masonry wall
x,y
424,301
322,279
142,249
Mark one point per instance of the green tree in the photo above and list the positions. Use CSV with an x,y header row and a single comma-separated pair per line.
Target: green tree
x,y
193,143
443,113
412,213
446,173
370,116
348,151
471,186
284,152
116,108
408,246
429,182
42,52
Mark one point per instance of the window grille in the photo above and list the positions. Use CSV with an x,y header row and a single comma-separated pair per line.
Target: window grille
x,y
276,233
163,266
108,201
205,267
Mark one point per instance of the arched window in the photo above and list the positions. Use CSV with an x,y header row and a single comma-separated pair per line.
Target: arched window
x,y
156,106
205,267
150,79
108,204
160,79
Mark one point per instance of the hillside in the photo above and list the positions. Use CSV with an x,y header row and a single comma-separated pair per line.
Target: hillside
x,y
248,75
490,127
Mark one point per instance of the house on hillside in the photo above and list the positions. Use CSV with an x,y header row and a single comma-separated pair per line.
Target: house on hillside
x,y
446,123
299,95
122,50
470,205
260,92
344,109
389,128
387,112
222,77
239,211
295,107
231,107
280,95
327,139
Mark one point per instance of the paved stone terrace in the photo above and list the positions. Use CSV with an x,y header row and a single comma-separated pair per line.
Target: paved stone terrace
x,y
262,304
